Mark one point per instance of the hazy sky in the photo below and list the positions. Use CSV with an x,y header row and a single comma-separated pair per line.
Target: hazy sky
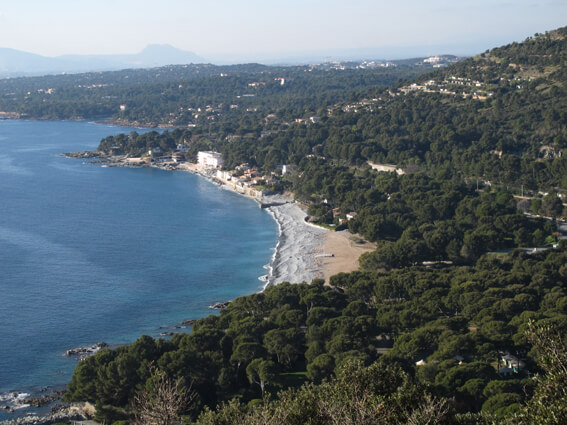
x,y
260,28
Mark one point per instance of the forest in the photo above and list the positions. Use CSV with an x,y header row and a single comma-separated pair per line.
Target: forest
x,y
458,317
187,95
419,334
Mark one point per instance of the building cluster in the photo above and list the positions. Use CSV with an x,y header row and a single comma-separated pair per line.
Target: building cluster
x,y
247,180
453,85
244,179
507,365
368,105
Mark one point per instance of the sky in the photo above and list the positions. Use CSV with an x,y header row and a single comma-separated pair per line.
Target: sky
x,y
243,30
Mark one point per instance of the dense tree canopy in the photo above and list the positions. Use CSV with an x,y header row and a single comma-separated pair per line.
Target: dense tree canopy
x,y
447,321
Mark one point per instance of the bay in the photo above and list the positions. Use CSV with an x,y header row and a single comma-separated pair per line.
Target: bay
x,y
91,254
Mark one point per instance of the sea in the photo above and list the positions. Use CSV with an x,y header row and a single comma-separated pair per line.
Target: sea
x,y
94,254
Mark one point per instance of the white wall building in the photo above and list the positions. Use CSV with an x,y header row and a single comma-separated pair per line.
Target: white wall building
x,y
210,159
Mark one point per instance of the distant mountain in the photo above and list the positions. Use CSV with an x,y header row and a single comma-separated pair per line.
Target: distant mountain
x,y
14,63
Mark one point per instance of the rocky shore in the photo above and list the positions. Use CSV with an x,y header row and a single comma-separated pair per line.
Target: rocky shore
x,y
83,352
58,415
85,154
48,408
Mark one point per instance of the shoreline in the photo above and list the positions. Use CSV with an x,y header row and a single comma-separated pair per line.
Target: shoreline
x,y
294,256
303,251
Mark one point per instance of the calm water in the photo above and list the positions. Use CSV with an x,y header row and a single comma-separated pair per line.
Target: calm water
x,y
91,254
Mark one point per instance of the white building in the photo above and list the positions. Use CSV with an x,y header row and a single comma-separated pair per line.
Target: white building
x,y
210,159
154,151
386,168
432,59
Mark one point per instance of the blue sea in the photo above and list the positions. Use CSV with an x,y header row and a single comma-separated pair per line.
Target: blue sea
x,y
90,254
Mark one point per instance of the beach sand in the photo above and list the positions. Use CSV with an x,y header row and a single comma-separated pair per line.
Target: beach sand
x,y
306,252
346,249
299,243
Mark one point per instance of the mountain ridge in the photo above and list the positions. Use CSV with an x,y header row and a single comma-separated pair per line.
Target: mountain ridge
x,y
17,63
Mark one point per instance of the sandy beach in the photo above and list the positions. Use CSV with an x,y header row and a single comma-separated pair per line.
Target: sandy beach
x,y
346,249
306,252
299,244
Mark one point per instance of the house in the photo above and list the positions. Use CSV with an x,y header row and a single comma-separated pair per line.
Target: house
x,y
210,159
432,59
243,167
512,362
154,151
252,172
182,148
224,175
177,157
510,365
351,215
270,181
287,169
386,168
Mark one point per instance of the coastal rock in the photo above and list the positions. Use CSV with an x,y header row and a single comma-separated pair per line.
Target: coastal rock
x,y
86,351
40,401
12,401
219,306
86,154
65,415
188,322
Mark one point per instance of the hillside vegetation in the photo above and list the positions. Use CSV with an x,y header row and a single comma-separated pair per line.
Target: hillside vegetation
x,y
434,328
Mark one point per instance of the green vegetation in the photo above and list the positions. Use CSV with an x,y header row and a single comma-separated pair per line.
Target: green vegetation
x,y
438,333
475,337
234,99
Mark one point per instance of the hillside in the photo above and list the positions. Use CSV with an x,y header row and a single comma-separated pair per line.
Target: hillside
x,y
456,318
189,96
456,343
499,117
